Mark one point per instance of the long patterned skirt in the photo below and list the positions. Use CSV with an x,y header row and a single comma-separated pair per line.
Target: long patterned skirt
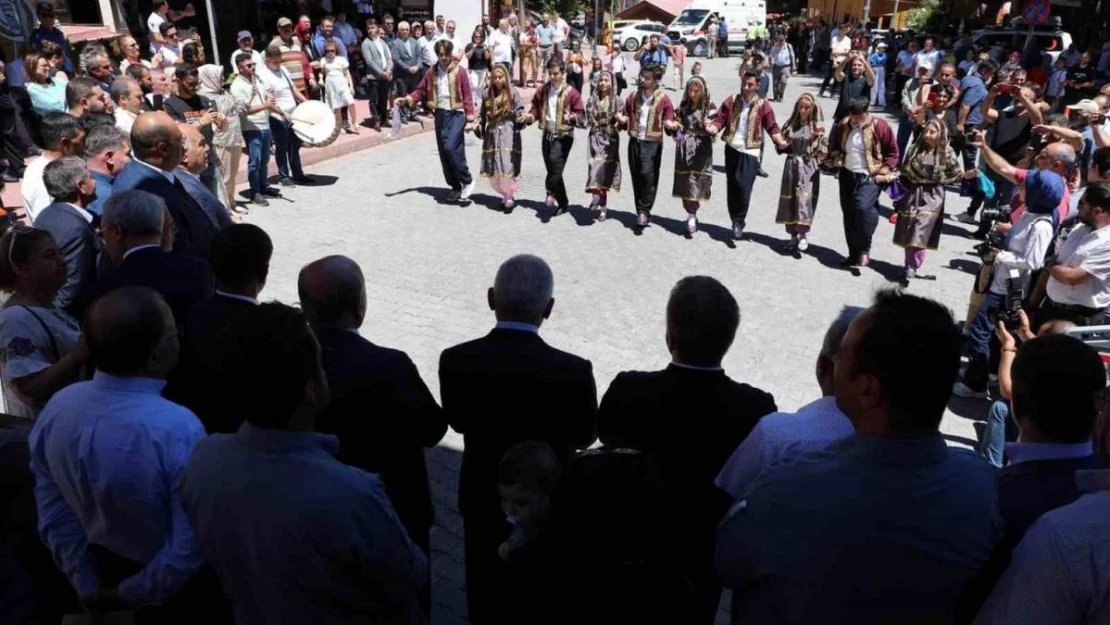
x,y
693,168
501,158
920,215
604,171
801,184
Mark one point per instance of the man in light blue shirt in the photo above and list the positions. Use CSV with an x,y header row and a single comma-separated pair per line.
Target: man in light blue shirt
x,y
294,535
782,434
889,525
108,457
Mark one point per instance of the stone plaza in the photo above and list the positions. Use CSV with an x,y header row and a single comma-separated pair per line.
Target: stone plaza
x,y
428,264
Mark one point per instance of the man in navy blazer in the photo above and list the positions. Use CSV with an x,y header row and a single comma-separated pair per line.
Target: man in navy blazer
x,y
192,165
68,181
132,224
157,149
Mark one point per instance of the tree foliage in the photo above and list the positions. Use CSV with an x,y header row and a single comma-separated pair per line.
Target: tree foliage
x,y
927,17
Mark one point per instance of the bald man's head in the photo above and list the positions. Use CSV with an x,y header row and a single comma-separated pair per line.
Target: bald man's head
x,y
194,148
131,333
156,140
333,292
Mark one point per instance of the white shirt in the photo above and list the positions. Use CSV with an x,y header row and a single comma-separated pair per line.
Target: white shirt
x,y
1090,251
443,88
33,188
282,88
841,46
154,24
244,298
645,109
251,93
779,436
552,109
855,153
618,63
561,29
740,139
1025,249
80,211
125,119
170,54
427,50
502,46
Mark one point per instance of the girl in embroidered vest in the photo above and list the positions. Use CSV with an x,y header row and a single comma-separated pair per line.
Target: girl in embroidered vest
x,y
447,92
604,143
694,130
558,108
645,113
500,125
930,164
807,146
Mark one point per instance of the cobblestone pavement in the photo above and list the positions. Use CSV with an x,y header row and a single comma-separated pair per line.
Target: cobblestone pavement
x,y
428,265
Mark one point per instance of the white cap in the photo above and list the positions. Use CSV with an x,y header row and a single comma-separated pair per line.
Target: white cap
x,y
244,34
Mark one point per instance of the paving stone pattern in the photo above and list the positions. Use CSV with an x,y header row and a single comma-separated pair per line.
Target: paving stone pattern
x,y
428,265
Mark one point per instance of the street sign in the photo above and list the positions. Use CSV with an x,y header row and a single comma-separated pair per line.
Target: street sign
x,y
1035,12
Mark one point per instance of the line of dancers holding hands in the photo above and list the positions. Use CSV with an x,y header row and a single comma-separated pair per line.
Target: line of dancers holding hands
x,y
861,147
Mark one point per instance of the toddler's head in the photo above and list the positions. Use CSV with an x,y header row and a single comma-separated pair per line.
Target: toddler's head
x,y
696,69
526,478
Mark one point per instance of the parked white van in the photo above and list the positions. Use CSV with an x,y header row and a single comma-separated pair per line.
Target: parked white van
x,y
689,27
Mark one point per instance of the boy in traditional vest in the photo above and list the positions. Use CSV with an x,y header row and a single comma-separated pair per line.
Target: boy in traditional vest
x,y
646,114
558,108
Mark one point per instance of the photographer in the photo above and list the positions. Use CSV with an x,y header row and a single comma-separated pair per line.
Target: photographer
x,y
1079,277
654,53
1015,256
1013,128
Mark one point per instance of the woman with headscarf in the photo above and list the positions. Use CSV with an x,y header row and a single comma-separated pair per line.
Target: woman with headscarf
x,y
807,145
930,164
603,143
227,142
500,126
693,130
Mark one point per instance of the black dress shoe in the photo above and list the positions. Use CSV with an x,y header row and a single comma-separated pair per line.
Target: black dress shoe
x,y
763,174
737,231
271,192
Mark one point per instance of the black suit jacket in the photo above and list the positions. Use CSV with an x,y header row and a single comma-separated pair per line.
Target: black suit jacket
x,y
193,230
81,248
181,280
199,382
384,416
1026,490
690,421
506,388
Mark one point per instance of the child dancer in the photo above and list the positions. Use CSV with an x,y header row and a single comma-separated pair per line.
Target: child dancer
x,y
454,115
930,164
693,157
604,143
645,112
807,146
558,108
501,110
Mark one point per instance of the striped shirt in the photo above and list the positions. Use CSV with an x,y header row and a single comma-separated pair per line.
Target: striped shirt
x,y
292,58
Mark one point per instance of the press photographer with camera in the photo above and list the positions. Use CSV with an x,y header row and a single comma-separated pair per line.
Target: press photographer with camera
x,y
1013,129
1016,255
1078,288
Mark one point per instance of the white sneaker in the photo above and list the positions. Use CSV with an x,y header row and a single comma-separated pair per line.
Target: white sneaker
x,y
803,244
466,191
959,389
967,219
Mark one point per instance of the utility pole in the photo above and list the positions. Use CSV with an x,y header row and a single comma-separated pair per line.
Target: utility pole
x,y
894,18
867,11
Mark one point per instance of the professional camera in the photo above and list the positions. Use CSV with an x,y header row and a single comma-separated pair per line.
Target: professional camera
x,y
995,239
1009,312
995,215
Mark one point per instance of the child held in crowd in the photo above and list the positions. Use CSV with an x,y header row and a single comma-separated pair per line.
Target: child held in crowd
x,y
526,480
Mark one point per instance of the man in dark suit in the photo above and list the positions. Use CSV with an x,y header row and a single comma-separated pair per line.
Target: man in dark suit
x,y
502,389
380,408
67,220
689,417
240,262
132,224
157,147
193,165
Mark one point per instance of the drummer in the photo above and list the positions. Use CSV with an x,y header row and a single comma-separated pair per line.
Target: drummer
x,y
447,91
287,145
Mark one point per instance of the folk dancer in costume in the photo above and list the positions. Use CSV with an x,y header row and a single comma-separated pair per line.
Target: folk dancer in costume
x,y
693,156
558,108
863,147
502,109
645,113
446,90
742,120
806,147
931,163
604,143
